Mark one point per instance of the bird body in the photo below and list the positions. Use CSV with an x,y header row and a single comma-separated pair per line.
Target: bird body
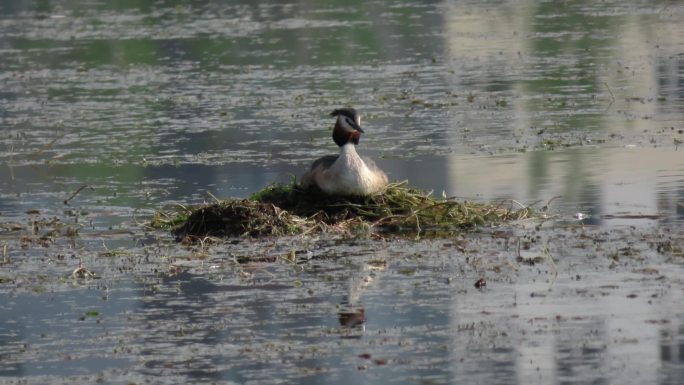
x,y
346,173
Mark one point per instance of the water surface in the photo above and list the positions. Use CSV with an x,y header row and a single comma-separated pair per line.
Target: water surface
x,y
576,106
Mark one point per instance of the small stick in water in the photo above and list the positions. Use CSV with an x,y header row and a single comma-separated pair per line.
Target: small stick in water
x,y
66,201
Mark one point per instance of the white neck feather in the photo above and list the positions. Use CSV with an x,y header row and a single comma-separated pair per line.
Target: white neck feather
x,y
348,149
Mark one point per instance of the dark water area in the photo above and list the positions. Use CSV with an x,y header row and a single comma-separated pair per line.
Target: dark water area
x,y
121,108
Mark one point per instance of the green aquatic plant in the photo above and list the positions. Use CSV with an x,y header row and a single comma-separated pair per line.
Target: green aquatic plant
x,y
169,219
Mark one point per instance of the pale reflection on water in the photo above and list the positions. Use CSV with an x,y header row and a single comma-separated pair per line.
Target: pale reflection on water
x,y
602,183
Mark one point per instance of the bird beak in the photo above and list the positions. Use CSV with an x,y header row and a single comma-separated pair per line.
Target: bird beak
x,y
357,127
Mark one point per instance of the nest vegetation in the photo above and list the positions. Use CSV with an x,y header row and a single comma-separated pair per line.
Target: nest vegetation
x,y
286,209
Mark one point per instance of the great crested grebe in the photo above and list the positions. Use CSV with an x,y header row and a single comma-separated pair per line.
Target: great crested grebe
x,y
346,173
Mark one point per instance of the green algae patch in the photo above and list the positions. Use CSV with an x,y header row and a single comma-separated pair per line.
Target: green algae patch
x,y
286,209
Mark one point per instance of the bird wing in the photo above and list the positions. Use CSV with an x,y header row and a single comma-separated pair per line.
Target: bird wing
x,y
324,162
370,163
320,163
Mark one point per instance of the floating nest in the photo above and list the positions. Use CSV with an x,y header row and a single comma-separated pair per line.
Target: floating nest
x,y
286,209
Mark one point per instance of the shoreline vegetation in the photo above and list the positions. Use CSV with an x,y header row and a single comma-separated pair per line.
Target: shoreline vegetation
x,y
287,209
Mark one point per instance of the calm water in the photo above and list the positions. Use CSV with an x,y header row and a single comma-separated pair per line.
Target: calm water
x,y
577,104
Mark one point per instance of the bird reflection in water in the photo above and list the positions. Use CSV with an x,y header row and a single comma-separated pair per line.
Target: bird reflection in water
x,y
352,314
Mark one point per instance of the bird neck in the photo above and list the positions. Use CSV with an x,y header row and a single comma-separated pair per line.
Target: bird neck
x,y
342,136
348,149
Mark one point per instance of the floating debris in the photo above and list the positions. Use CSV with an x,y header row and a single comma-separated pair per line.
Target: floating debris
x,y
175,270
82,273
73,195
10,226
